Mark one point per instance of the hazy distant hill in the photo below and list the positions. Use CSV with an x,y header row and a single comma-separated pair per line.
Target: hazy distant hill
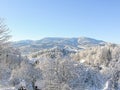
x,y
71,44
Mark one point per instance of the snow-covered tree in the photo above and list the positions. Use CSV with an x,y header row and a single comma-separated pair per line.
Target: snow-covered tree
x,y
4,34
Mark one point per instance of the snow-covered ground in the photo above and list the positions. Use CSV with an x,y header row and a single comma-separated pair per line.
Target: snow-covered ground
x,y
7,88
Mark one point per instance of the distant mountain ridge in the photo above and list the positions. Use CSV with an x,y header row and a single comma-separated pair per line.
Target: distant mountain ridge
x,y
71,44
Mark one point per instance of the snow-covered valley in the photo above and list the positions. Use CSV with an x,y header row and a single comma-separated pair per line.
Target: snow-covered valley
x,y
49,65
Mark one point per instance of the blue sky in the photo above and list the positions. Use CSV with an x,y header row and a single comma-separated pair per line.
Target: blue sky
x,y
36,19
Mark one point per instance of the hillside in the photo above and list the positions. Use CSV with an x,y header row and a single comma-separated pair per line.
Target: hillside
x,y
61,64
71,44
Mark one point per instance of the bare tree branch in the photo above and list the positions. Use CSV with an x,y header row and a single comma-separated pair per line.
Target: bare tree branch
x,y
4,34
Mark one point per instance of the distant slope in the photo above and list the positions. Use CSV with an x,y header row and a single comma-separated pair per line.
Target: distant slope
x,y
71,44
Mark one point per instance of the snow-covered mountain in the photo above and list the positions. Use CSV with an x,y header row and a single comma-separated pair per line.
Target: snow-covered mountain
x,y
64,63
71,44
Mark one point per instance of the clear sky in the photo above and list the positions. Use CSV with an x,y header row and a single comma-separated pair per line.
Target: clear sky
x,y
36,19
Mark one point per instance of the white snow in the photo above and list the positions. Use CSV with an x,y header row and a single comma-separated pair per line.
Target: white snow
x,y
82,61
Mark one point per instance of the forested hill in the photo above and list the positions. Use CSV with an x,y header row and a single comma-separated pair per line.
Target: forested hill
x,y
71,44
60,64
